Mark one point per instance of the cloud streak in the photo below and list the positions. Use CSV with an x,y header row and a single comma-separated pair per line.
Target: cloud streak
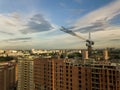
x,y
99,19
37,24
6,33
115,40
18,39
96,26
14,23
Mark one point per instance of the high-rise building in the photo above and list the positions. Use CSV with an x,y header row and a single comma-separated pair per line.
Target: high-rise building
x,y
7,75
44,74
25,74
54,74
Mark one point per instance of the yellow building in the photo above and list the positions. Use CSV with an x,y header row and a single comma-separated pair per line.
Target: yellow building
x,y
25,74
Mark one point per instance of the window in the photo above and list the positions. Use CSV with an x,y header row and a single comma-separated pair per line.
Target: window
x,y
67,83
66,66
66,79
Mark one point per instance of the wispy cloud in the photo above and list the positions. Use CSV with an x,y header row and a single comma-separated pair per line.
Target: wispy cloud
x,y
9,24
15,23
96,26
15,15
18,39
6,33
92,21
115,40
37,24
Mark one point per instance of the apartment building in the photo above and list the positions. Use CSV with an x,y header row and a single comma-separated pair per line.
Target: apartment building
x,y
7,75
43,71
25,74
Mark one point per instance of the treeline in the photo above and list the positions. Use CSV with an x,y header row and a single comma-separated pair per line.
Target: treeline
x,y
7,58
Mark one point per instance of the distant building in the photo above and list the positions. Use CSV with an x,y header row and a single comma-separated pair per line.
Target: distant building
x,y
25,74
7,75
105,54
54,74
2,51
84,54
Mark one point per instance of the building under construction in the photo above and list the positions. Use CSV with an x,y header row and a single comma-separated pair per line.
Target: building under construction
x,y
57,74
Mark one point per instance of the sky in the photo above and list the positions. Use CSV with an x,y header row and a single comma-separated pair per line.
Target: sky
x,y
27,24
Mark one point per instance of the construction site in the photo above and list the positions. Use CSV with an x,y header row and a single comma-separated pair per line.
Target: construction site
x,y
91,71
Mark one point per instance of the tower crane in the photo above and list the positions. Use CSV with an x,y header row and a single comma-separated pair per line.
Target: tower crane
x,y
88,41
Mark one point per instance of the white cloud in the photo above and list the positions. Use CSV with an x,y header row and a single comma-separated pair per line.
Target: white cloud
x,y
10,24
17,24
104,13
98,22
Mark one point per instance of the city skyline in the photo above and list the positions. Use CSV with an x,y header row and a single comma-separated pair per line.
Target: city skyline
x,y
36,23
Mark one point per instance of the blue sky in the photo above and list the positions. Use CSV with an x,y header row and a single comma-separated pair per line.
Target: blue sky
x,y
27,24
